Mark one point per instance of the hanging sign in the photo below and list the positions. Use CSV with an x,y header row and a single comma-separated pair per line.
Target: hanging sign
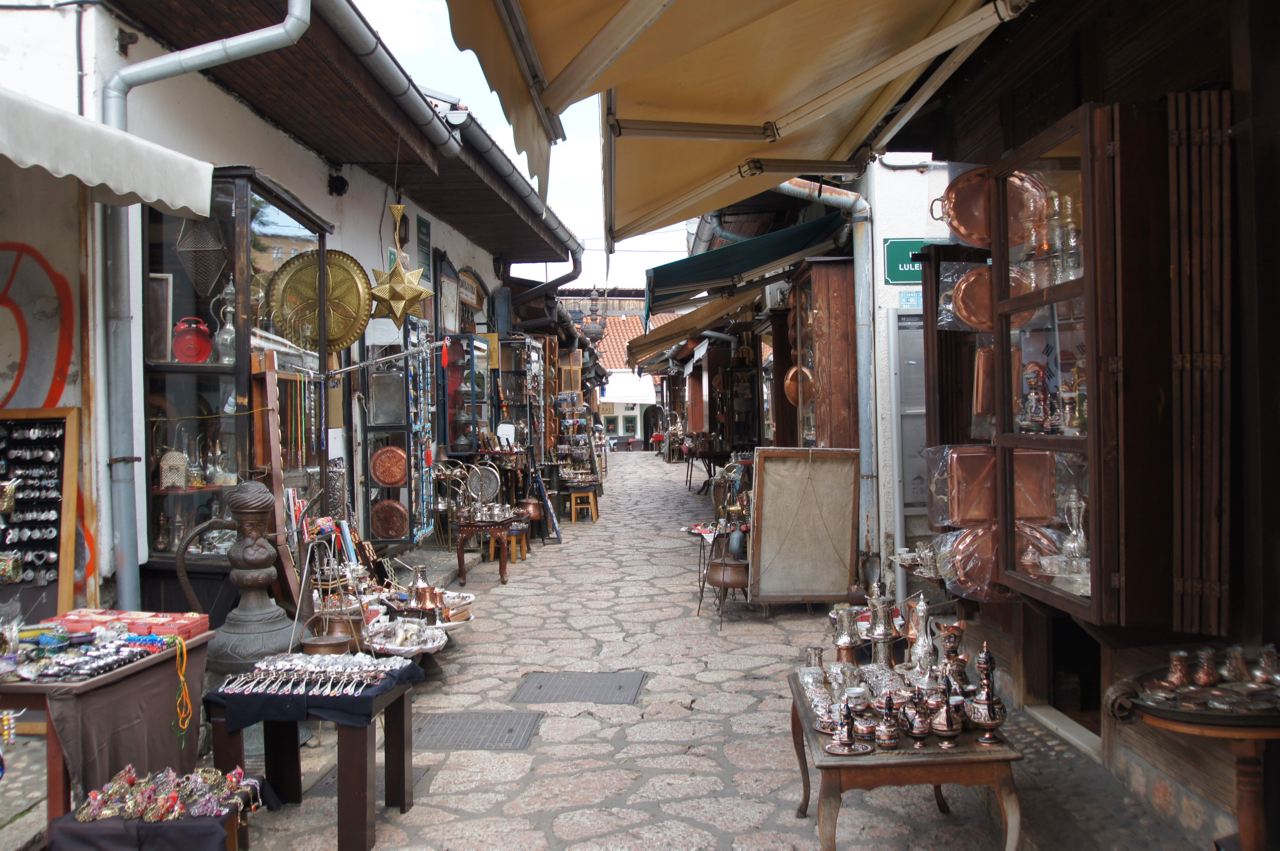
x,y
468,290
899,268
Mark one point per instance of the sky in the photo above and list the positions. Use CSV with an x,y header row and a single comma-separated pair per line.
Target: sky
x,y
418,35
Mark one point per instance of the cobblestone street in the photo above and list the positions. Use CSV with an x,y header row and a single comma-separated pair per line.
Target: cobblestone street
x,y
704,758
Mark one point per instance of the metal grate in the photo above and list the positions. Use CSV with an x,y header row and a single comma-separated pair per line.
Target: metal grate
x,y
580,688
474,731
327,787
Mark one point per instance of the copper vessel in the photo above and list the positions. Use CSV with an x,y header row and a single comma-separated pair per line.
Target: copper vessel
x,y
1206,674
966,207
1179,671
798,385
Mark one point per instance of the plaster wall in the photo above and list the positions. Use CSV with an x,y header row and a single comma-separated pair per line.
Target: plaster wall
x,y
899,199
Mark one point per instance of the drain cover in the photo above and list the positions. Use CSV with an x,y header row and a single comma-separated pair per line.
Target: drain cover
x,y
580,688
327,787
474,731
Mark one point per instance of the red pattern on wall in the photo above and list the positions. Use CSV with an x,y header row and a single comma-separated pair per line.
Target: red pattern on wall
x,y
65,345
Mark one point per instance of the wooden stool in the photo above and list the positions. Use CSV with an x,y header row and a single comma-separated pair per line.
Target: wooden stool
x,y
517,541
724,574
583,499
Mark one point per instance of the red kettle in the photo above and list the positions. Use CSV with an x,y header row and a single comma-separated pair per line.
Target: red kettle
x,y
192,342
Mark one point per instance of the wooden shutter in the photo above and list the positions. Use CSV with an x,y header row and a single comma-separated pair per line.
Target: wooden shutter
x,y
1200,231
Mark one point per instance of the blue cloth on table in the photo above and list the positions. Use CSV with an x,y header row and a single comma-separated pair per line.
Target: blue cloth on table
x,y
243,710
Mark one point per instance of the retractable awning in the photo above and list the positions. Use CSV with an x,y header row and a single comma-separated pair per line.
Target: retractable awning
x,y
689,325
708,102
738,268
120,168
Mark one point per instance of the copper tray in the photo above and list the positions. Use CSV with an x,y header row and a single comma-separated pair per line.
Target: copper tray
x,y
388,520
1197,716
966,207
973,296
974,556
389,467
1034,478
971,479
798,385
984,378
295,301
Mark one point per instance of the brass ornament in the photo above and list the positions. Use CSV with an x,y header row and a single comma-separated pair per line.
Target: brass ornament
x,y
397,294
295,299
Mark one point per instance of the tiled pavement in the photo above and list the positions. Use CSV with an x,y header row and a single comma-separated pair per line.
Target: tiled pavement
x,y
704,758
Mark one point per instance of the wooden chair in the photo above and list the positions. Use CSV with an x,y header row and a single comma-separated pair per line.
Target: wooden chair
x,y
583,498
726,574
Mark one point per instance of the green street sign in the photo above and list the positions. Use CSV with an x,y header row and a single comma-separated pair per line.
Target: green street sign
x,y
899,269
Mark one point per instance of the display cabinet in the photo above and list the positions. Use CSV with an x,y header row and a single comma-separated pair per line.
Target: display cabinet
x,y
464,388
520,385
207,307
1080,351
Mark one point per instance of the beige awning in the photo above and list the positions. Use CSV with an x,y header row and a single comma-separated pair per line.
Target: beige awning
x,y
690,324
120,168
695,89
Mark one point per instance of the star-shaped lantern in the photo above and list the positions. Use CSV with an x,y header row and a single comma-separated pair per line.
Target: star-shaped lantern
x,y
397,294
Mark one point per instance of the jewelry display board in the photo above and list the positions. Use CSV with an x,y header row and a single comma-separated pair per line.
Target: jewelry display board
x,y
804,538
39,463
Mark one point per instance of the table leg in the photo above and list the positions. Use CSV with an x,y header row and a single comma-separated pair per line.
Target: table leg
x,y
1250,808
828,808
397,749
283,759
228,754
1010,807
940,801
357,827
502,557
59,777
462,559
797,739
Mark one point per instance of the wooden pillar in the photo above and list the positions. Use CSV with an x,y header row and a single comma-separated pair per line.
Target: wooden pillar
x,y
784,413
835,337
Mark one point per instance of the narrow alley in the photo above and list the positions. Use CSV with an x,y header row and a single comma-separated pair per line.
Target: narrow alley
x,y
704,757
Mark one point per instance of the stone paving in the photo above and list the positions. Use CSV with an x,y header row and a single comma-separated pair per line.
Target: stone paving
x,y
702,760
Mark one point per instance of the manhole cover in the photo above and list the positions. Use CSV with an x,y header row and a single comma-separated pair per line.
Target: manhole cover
x,y
474,731
580,688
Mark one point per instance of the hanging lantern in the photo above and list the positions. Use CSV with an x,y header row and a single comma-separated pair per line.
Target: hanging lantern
x,y
593,324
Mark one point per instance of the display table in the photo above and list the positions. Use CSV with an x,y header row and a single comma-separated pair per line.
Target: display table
x,y
710,460
357,735
98,726
498,529
1247,746
969,764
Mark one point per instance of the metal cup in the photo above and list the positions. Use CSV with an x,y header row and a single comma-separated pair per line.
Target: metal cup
x,y
813,656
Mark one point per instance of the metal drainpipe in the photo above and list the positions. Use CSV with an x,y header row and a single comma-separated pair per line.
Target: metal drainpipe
x,y
709,227
117,301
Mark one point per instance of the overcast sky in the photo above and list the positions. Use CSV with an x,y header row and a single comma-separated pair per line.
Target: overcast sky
x,y
419,36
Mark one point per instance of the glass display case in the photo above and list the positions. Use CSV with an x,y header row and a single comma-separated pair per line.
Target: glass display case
x,y
520,402
464,386
1081,428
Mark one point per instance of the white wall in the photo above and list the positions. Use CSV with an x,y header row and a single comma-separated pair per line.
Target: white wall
x,y
899,201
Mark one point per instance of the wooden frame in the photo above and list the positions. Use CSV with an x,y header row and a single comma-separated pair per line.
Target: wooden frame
x,y
67,510
785,520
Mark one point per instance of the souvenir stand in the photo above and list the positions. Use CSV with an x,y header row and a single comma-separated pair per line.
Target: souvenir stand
x,y
233,309
1048,386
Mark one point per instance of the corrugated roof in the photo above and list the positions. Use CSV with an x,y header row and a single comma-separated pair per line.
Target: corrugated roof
x,y
620,330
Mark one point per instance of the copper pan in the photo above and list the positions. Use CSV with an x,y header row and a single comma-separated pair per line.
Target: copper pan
x,y
972,298
798,385
965,207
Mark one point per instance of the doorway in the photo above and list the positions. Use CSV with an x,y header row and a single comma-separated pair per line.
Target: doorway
x,y
652,423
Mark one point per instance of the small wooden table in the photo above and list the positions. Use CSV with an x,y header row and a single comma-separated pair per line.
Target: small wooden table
x,y
357,773
1247,745
969,764
35,696
498,529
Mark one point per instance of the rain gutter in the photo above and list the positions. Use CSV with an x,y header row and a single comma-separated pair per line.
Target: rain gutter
x,y
711,226
119,365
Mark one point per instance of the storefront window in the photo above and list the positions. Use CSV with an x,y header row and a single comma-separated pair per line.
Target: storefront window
x,y
628,425
1048,368
610,425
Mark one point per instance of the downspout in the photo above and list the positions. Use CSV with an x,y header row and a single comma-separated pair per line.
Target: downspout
x,y
119,364
709,227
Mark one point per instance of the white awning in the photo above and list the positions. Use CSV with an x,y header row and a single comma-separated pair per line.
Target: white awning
x,y
120,168
625,387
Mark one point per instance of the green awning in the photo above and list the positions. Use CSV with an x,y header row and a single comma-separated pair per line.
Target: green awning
x,y
730,270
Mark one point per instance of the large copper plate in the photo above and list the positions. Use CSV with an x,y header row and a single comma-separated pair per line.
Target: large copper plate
x,y
798,385
1034,481
295,302
972,297
389,467
388,520
966,207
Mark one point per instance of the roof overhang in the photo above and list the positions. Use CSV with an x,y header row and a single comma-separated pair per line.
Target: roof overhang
x,y
119,168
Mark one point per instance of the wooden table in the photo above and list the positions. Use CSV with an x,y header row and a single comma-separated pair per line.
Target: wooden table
x,y
357,774
496,528
969,764
35,697
1247,745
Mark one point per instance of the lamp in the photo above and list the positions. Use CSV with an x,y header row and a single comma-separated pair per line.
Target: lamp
x,y
593,324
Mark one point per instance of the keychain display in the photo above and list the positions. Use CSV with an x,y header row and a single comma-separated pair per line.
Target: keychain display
x,y
31,501
167,796
299,673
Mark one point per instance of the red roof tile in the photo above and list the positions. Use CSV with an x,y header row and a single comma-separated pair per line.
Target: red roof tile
x,y
620,330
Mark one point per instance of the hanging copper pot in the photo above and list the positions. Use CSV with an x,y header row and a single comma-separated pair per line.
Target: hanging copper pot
x,y
798,385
